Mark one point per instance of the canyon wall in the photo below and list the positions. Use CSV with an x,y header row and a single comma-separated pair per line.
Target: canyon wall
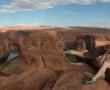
x,y
43,64
45,47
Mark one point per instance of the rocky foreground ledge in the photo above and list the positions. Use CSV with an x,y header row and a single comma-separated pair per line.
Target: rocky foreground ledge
x,y
49,79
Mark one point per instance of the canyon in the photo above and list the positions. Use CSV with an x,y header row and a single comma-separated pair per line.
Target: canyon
x,y
43,64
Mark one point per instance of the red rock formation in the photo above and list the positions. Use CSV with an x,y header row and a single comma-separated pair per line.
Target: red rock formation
x,y
38,48
42,49
42,79
74,77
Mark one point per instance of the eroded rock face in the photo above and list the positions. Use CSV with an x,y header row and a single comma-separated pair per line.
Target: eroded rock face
x,y
43,64
38,48
42,79
42,46
73,80
48,79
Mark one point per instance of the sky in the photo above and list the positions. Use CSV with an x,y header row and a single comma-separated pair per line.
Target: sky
x,y
93,13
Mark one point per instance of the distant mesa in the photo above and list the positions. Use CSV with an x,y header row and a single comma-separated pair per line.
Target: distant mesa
x,y
22,27
41,27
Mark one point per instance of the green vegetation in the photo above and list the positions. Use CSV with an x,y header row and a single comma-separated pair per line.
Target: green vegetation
x,y
75,58
2,66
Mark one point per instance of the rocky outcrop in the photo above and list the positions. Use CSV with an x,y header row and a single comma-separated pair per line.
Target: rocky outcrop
x,y
42,79
48,79
39,49
43,64
74,77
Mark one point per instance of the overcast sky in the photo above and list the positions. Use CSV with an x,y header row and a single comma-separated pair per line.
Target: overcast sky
x,y
94,13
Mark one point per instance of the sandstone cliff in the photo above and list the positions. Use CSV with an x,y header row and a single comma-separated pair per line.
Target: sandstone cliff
x,y
43,64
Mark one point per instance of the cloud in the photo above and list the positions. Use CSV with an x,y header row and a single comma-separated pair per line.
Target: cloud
x,y
70,12
31,5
